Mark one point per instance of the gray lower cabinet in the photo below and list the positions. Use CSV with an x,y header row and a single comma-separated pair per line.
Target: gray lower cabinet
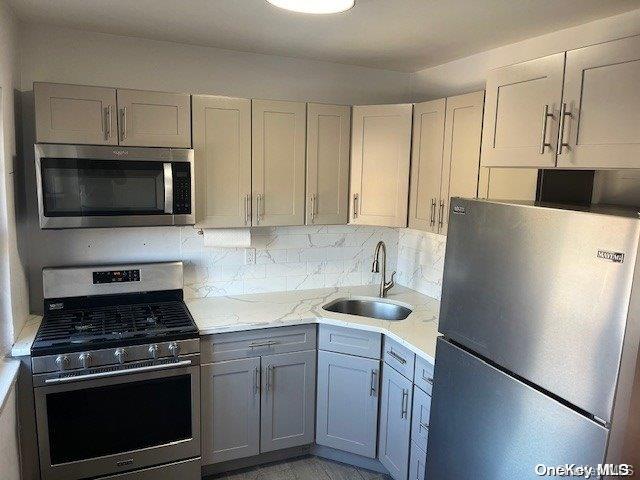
x,y
288,400
230,393
395,422
417,465
347,403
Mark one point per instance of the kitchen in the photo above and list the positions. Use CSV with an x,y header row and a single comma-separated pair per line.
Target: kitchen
x,y
286,173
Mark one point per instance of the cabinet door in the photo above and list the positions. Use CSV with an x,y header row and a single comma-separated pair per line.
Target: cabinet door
x,y
508,184
426,164
380,157
395,423
288,400
75,114
347,406
278,162
417,466
154,119
521,114
222,144
461,157
230,410
602,114
328,134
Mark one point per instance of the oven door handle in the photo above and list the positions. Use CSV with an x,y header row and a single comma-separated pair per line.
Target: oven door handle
x,y
115,373
168,188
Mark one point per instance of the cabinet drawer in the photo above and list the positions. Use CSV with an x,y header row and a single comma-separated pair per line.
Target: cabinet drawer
x,y
418,463
420,418
424,374
400,358
350,341
255,343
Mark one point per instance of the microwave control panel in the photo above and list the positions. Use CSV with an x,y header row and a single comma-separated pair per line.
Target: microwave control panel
x,y
181,188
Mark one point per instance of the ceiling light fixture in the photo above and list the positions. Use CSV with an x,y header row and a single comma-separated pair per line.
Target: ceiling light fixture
x,y
318,7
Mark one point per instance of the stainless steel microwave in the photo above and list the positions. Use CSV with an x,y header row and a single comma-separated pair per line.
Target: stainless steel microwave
x,y
82,186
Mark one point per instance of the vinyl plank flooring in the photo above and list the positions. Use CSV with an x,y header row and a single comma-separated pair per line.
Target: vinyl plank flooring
x,y
305,468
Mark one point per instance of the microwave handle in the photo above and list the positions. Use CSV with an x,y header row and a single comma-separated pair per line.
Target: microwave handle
x,y
168,188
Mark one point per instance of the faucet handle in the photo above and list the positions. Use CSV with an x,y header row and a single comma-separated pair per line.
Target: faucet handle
x,y
392,281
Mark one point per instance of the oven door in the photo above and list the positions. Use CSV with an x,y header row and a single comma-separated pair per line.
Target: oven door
x,y
90,186
111,424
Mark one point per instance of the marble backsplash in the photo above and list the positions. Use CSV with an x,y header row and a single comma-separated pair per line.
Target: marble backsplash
x,y
287,258
421,261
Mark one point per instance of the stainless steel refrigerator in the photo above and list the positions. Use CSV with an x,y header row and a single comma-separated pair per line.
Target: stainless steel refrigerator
x,y
540,324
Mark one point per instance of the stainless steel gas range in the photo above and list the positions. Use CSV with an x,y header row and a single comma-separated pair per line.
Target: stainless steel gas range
x,y
116,375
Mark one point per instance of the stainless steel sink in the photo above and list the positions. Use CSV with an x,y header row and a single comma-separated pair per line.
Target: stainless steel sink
x,y
368,308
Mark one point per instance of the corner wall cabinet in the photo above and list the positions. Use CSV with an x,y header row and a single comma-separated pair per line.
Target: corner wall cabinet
x,y
328,139
222,153
578,109
107,116
278,162
445,157
380,158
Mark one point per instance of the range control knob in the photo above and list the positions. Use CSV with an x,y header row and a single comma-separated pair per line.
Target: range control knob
x,y
85,360
62,362
174,348
120,355
153,351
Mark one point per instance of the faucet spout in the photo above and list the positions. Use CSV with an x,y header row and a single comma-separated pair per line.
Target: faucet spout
x,y
375,268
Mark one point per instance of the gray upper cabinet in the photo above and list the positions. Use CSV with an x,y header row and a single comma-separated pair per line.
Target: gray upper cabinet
x,y
222,145
75,114
601,107
328,140
230,410
154,119
518,184
278,162
347,405
395,423
426,164
521,114
380,158
288,400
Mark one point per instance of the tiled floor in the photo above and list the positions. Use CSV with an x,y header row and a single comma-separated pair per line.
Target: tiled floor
x,y
305,468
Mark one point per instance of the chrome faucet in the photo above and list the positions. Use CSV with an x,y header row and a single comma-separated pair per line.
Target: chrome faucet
x,y
375,268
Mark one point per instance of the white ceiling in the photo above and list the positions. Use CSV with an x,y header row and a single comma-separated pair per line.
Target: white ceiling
x,y
404,35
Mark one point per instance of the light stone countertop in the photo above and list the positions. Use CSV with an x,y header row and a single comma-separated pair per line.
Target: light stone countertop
x,y
418,331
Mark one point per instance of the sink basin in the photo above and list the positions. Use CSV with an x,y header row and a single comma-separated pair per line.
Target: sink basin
x,y
368,308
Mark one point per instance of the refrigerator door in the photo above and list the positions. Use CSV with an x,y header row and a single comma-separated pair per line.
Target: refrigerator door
x,y
486,425
543,293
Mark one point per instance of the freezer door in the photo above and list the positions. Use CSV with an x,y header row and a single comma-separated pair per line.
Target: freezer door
x,y
543,293
486,425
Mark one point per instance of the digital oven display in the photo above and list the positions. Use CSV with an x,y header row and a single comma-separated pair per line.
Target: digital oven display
x,y
116,276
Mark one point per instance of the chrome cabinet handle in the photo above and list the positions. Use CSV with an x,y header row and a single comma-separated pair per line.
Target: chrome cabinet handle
x,y
563,115
107,122
269,378
397,357
374,382
247,209
424,425
405,403
259,207
441,219
268,343
123,113
545,118
432,221
355,205
256,381
429,380
312,206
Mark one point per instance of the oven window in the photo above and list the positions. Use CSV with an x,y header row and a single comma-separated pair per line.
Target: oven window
x,y
79,187
93,422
